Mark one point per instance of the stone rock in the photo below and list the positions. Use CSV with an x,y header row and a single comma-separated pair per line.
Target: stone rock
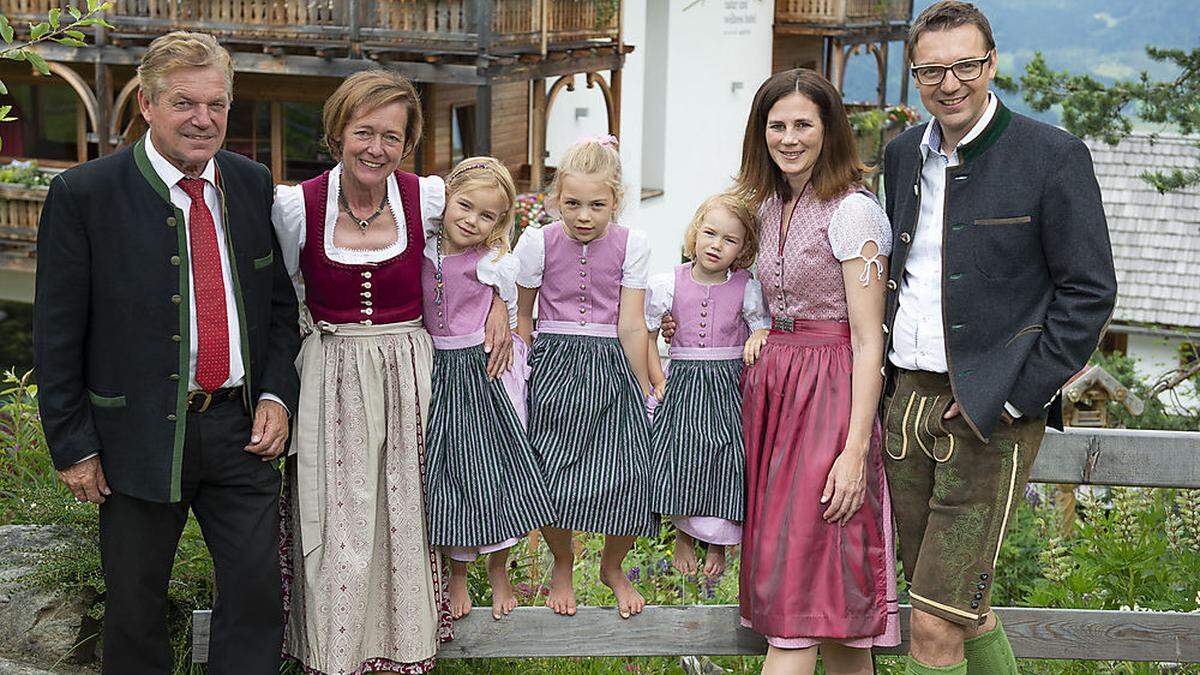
x,y
13,668
40,626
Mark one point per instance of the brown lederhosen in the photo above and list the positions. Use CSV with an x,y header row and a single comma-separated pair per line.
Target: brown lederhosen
x,y
953,495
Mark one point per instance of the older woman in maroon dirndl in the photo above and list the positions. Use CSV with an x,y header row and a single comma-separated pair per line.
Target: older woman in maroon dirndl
x,y
818,568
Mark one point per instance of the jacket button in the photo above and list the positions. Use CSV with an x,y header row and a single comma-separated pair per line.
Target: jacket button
x,y
956,276
975,605
174,377
891,284
175,260
171,221
171,417
905,237
176,338
885,329
176,299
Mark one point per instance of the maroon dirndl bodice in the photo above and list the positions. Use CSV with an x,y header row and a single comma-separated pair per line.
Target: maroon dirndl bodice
x,y
373,293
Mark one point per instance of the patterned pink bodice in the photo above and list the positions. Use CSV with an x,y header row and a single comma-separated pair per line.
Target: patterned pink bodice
x,y
581,283
708,316
801,277
465,301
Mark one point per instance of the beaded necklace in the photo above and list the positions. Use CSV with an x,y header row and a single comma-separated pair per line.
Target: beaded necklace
x,y
363,223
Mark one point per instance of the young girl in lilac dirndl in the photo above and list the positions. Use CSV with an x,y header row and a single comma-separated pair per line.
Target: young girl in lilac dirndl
x,y
696,437
587,391
818,566
484,486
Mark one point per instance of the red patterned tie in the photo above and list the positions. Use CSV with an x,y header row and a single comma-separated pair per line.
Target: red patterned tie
x,y
212,322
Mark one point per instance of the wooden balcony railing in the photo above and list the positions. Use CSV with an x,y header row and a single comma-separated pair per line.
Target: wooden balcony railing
x,y
515,23
842,12
20,208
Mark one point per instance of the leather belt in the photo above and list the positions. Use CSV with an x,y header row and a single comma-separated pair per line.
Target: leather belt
x,y
200,401
783,323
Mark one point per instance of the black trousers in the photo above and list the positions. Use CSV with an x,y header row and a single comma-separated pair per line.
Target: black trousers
x,y
235,496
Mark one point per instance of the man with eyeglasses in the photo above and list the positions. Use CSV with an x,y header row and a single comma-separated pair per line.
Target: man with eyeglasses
x,y
1001,283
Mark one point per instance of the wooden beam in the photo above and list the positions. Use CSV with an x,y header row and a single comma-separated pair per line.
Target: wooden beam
x,y
1120,457
713,630
290,64
483,119
537,134
552,68
277,141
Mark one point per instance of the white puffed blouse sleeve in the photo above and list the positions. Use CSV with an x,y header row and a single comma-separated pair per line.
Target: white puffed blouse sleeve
x,y
433,203
660,294
860,220
501,274
636,267
290,221
531,254
754,307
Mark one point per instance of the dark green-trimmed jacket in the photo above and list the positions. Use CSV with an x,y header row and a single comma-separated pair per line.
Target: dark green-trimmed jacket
x,y
110,325
1027,269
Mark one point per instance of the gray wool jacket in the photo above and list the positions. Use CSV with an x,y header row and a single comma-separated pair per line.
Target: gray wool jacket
x,y
1027,272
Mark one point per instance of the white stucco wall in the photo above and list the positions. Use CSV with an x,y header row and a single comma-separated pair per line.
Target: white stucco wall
x,y
687,106
1156,355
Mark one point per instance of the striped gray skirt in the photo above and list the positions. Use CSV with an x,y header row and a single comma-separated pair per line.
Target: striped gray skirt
x,y
699,454
484,483
587,422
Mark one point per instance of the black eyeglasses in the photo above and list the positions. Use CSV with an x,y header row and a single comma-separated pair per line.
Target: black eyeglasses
x,y
930,74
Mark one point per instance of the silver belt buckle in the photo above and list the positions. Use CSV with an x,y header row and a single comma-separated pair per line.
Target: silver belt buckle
x,y
784,323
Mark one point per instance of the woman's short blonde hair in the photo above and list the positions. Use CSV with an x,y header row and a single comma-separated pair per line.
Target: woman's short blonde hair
x,y
740,210
474,173
181,49
593,156
365,91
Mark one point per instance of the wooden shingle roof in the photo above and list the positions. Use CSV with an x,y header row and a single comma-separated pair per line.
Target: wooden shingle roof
x,y
1155,238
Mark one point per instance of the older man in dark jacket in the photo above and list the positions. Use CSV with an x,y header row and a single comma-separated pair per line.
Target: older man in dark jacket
x,y
1001,283
165,331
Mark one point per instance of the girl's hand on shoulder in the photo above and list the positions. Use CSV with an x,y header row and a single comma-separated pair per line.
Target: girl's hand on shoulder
x,y
754,345
667,327
845,487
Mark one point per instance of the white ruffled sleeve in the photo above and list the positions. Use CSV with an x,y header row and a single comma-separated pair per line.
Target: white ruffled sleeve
x,y
660,294
531,253
433,203
754,307
857,221
636,267
289,219
502,275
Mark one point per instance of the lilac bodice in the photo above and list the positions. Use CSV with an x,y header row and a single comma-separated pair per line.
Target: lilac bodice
x,y
465,301
581,283
708,316
801,277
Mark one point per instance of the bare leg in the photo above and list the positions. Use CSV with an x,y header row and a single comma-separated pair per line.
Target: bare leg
x,y
790,661
684,557
842,660
562,591
714,561
629,601
460,599
935,641
503,598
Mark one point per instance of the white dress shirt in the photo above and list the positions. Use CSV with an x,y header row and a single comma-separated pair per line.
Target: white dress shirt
x,y
918,338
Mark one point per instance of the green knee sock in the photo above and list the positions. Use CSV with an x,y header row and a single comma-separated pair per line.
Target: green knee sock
x,y
915,667
990,653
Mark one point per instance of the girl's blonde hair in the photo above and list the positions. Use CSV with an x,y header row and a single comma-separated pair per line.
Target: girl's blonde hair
x,y
591,156
740,210
487,172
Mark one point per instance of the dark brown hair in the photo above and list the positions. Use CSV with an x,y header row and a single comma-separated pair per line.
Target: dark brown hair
x,y
948,14
837,168
365,91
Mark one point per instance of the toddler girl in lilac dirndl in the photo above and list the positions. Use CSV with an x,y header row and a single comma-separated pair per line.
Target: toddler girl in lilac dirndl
x,y
697,448
587,419
484,486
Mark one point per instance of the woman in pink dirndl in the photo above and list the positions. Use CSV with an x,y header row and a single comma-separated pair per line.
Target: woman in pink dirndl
x,y
818,567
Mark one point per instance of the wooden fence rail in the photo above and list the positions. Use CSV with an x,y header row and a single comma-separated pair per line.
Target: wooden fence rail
x,y
1116,457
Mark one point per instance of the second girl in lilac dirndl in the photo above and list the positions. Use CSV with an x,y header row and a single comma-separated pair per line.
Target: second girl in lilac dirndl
x,y
818,566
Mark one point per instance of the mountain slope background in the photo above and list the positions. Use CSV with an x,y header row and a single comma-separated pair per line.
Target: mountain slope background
x,y
1104,38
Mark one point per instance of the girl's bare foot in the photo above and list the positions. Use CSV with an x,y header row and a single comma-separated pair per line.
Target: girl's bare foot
x,y
562,592
504,600
684,557
714,561
629,601
460,599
